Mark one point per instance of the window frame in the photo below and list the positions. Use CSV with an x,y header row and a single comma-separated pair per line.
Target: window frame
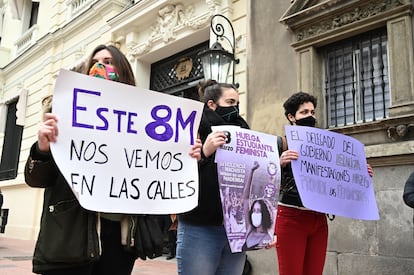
x,y
9,161
356,91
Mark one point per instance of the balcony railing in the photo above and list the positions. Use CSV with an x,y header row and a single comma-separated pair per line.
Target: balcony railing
x,y
26,40
78,6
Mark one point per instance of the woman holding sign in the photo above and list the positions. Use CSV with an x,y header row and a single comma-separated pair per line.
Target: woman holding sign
x,y
301,234
119,246
108,62
202,245
68,241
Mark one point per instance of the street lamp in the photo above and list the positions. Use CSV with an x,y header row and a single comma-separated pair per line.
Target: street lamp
x,y
216,60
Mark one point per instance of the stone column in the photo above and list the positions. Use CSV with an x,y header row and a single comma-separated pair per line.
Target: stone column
x,y
400,52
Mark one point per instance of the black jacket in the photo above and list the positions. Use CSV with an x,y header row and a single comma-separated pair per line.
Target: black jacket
x,y
289,193
209,210
408,194
68,235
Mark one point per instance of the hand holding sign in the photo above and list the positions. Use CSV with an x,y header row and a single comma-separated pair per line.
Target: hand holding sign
x,y
287,156
48,132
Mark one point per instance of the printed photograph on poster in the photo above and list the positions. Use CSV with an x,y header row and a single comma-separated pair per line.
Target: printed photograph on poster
x,y
249,177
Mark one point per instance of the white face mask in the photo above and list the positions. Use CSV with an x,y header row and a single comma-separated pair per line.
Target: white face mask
x,y
256,219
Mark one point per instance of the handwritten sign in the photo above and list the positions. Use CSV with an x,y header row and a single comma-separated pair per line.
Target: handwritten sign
x,y
331,173
249,177
124,149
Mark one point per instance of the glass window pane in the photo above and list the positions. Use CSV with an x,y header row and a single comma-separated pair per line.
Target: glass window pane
x,y
356,79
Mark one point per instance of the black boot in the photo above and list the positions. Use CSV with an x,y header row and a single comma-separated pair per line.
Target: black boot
x,y
170,256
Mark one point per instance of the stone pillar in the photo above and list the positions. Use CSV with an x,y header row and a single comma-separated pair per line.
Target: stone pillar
x,y
400,47
310,79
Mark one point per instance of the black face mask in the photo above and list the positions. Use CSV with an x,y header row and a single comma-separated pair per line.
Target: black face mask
x,y
306,121
229,114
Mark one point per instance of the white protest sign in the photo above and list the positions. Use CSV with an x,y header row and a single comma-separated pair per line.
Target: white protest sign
x,y
124,149
331,173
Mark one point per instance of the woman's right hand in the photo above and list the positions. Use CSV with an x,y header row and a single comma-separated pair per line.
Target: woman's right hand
x,y
272,243
195,150
287,156
213,141
48,132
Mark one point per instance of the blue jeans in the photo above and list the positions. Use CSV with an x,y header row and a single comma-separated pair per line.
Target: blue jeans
x,y
205,250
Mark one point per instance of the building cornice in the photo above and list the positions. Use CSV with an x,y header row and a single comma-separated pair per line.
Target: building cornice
x,y
161,22
335,18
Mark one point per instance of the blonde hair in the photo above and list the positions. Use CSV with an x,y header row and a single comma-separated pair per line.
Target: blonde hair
x,y
47,100
47,104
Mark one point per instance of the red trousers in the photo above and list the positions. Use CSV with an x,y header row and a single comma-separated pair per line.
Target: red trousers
x,y
302,238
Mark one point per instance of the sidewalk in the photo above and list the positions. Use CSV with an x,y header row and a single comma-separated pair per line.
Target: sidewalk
x,y
16,259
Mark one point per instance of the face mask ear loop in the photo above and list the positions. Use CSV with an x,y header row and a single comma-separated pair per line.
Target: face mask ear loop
x,y
111,73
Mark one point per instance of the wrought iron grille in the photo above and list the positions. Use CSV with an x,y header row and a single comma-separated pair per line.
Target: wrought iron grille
x,y
356,79
164,76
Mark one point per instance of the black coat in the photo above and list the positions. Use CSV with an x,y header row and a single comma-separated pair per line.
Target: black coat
x,y
67,236
289,193
408,194
209,210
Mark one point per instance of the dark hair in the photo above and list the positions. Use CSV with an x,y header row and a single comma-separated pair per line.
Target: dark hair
x,y
266,217
212,90
120,63
79,68
292,104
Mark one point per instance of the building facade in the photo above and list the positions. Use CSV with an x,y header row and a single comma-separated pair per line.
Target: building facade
x,y
355,56
38,38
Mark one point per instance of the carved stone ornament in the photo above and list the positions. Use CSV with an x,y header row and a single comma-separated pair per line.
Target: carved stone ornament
x,y
333,20
183,68
400,131
170,18
213,6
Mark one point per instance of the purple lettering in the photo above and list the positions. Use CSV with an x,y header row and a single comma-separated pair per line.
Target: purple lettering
x,y
76,107
120,114
180,122
162,122
131,123
104,120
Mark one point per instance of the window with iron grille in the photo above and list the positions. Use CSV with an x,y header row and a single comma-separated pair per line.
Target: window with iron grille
x,y
356,79
164,76
11,145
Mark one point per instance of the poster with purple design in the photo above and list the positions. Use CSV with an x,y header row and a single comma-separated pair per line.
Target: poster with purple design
x,y
249,177
124,149
331,173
